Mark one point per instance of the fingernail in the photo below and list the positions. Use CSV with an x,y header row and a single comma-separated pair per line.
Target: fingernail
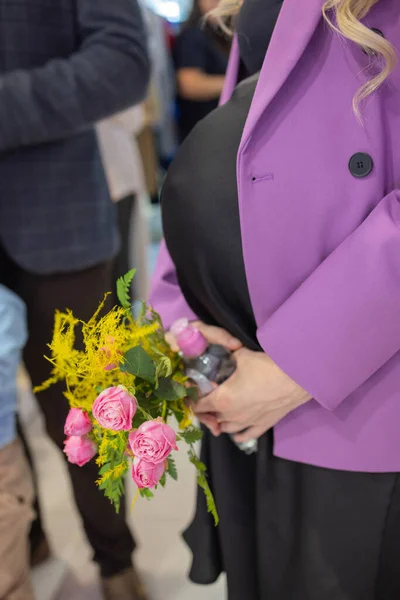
x,y
234,341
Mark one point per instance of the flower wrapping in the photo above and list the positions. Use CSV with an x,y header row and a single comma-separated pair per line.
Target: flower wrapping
x,y
125,387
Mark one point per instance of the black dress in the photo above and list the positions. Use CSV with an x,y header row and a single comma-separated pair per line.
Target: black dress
x,y
288,531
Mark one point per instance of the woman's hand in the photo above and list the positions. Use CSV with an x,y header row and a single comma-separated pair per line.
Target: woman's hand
x,y
256,397
214,335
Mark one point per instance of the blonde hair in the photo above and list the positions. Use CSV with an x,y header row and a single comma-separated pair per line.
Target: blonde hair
x,y
348,15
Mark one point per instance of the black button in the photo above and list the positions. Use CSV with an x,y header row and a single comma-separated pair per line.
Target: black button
x,y
361,164
378,32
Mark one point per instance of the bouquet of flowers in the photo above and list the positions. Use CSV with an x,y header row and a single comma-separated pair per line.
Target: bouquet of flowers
x,y
124,386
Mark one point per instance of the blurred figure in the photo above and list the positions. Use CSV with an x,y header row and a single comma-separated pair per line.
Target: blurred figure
x,y
64,65
16,490
122,161
148,144
157,139
163,89
201,58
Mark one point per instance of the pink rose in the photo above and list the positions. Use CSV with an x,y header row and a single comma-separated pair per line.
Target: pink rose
x,y
146,474
77,423
153,441
79,449
115,408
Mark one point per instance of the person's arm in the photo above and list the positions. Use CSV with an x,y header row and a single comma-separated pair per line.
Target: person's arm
x,y
166,296
109,72
13,334
130,120
342,324
193,81
194,84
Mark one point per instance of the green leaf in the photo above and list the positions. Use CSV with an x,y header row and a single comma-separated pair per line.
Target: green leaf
x,y
211,506
114,490
164,365
172,470
163,479
146,493
169,390
104,468
191,435
203,483
200,466
146,398
192,393
137,362
138,420
148,416
179,414
124,288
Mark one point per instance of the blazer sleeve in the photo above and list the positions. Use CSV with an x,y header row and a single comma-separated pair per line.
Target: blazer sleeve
x,y
108,73
166,296
342,324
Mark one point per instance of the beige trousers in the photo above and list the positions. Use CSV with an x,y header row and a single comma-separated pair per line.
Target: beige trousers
x,y
16,514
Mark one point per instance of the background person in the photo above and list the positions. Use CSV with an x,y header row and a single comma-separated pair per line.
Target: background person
x,y
64,65
201,58
122,161
16,489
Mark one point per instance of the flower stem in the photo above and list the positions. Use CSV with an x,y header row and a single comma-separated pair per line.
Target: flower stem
x,y
135,499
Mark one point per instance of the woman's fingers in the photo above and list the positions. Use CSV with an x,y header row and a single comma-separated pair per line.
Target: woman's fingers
x,y
209,403
265,423
231,427
211,423
214,335
171,341
220,402
217,335
253,433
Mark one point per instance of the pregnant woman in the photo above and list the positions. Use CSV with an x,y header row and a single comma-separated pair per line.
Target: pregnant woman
x,y
282,227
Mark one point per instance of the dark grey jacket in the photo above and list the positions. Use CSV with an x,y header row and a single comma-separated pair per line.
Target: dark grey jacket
x,y
64,64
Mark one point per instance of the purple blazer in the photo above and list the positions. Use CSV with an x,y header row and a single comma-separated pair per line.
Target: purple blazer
x,y
321,238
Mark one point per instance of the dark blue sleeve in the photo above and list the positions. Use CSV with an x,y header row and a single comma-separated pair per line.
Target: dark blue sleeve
x,y
191,50
109,72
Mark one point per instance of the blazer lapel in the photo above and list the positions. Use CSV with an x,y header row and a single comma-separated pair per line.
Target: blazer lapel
x,y
295,27
232,73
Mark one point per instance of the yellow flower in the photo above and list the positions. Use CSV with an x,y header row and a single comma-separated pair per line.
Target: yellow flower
x,y
105,339
188,416
116,473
